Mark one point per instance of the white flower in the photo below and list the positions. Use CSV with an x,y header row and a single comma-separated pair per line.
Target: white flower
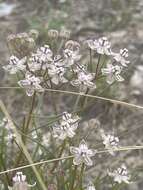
x,y
121,57
19,181
90,186
34,63
102,46
110,142
34,135
82,154
80,68
6,123
19,177
41,59
120,174
71,57
85,80
10,137
15,65
113,73
45,54
66,127
69,120
46,139
31,84
56,73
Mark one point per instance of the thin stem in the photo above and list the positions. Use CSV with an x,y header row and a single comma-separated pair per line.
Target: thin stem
x,y
77,101
90,59
60,154
88,95
69,157
30,112
19,157
21,144
73,178
81,175
97,68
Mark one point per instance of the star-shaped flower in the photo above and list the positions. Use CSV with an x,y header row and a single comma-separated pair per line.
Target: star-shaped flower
x,y
20,182
121,57
84,80
66,127
82,154
56,74
120,174
15,65
31,84
101,46
112,73
71,57
110,142
45,53
41,59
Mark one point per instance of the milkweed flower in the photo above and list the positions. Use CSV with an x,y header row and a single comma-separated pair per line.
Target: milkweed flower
x,y
19,177
66,127
71,57
56,73
101,46
46,139
84,80
121,57
15,65
112,73
34,63
120,174
110,142
90,186
45,53
41,59
82,154
31,84
20,182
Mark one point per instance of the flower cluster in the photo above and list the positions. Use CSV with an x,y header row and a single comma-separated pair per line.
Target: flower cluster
x,y
114,68
45,68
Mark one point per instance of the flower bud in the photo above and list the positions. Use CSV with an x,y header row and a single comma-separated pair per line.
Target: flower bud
x,y
72,45
34,34
53,34
21,44
64,33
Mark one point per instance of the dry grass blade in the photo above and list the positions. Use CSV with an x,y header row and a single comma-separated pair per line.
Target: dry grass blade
x,y
127,148
21,144
129,105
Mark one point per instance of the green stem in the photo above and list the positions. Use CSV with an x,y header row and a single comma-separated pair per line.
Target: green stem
x,y
97,68
73,178
90,59
19,157
77,101
30,112
60,154
81,175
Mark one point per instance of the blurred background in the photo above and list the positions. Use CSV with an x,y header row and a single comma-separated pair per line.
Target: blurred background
x,y
120,20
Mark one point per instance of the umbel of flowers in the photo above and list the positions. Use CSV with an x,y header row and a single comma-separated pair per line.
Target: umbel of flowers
x,y
44,67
